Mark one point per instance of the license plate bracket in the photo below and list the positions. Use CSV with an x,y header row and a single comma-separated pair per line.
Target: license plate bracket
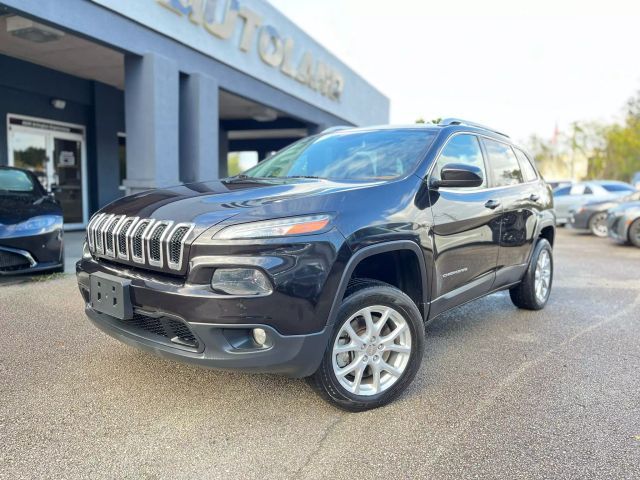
x,y
111,295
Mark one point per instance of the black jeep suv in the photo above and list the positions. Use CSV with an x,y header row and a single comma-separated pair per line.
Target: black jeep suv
x,y
326,260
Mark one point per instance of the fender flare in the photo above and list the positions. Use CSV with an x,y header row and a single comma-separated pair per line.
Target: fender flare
x,y
370,250
545,222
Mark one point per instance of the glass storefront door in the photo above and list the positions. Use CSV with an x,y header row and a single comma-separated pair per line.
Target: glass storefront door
x,y
55,152
29,151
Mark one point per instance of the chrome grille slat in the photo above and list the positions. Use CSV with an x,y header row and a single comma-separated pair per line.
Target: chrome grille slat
x,y
175,244
122,237
100,227
155,239
138,240
109,231
91,231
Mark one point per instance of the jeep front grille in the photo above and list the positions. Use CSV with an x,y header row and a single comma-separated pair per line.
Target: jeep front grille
x,y
157,243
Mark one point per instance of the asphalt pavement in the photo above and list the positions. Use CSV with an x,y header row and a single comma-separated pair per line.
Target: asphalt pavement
x,y
502,393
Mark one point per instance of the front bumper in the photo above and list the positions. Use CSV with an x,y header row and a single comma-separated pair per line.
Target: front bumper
x,y
226,347
31,253
579,221
617,228
295,315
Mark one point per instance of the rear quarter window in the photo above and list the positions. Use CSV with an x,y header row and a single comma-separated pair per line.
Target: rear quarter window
x,y
503,163
528,170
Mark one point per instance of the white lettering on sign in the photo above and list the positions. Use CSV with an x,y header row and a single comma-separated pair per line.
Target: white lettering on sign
x,y
220,19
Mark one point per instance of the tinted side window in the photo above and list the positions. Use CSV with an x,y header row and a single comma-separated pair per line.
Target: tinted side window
x,y
528,172
503,163
561,192
615,187
461,149
577,190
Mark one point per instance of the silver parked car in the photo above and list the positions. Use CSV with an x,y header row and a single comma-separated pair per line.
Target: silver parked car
x,y
623,223
569,198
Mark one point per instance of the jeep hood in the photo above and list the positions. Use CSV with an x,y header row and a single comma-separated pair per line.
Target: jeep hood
x,y
208,203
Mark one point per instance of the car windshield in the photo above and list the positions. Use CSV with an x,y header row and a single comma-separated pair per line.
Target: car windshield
x,y
16,182
349,155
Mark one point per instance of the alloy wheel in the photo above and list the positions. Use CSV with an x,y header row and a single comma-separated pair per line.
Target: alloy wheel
x,y
599,225
543,275
372,350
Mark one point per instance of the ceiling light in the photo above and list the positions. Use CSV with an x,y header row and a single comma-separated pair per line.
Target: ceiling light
x,y
264,115
58,103
32,31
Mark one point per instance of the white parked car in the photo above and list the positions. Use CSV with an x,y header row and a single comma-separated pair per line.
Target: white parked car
x,y
569,198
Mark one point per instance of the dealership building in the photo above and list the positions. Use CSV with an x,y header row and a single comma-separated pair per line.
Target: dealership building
x,y
107,97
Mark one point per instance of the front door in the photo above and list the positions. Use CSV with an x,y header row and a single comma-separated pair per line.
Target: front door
x,y
466,230
55,153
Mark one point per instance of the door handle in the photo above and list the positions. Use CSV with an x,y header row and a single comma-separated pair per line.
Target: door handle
x,y
534,197
492,204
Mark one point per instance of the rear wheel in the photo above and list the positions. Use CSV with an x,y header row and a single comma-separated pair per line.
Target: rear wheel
x,y
375,351
532,293
598,224
634,232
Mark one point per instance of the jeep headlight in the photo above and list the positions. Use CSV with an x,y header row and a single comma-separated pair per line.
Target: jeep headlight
x,y
281,227
240,281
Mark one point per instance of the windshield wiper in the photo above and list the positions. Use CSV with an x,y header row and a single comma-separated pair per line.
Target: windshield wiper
x,y
242,178
305,176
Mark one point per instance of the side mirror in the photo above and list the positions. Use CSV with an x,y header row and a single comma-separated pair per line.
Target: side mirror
x,y
458,175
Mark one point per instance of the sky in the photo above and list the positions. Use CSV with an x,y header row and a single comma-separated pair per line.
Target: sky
x,y
519,66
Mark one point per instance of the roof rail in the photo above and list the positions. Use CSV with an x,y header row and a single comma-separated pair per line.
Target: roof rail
x,y
459,121
336,128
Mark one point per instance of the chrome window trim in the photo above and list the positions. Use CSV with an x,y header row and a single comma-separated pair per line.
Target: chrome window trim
x,y
116,221
178,265
473,190
149,233
141,259
119,254
100,231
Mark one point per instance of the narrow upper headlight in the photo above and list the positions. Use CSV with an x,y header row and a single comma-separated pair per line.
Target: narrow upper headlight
x,y
281,227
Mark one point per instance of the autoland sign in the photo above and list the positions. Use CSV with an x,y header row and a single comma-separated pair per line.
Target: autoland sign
x,y
234,33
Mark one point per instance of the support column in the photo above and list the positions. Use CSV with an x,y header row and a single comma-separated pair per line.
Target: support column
x,y
223,149
152,116
108,122
199,121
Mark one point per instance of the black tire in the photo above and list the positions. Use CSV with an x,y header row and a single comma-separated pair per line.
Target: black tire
x,y
634,232
361,294
524,295
596,224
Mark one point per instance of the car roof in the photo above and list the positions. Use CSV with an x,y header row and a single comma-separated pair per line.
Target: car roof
x,y
438,128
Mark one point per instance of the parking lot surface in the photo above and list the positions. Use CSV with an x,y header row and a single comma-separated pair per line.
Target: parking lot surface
x,y
502,393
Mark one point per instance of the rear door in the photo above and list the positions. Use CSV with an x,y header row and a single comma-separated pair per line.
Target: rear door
x,y
466,230
519,197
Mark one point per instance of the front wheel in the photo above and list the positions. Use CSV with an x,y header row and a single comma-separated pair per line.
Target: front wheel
x,y
532,293
598,224
634,232
375,350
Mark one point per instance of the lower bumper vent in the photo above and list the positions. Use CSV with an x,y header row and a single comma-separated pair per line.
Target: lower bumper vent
x,y
10,262
166,330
